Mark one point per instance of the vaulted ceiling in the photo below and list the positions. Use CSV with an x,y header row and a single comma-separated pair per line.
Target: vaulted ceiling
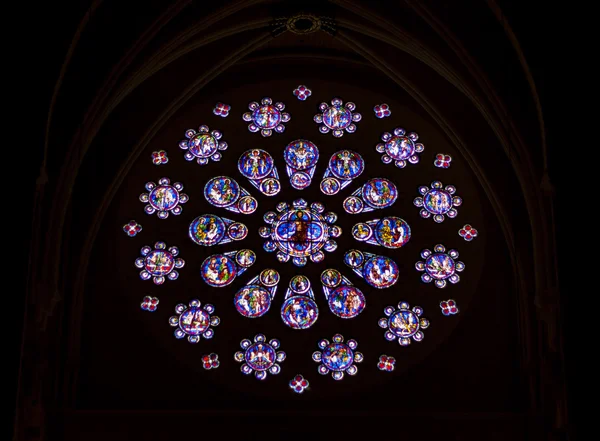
x,y
137,74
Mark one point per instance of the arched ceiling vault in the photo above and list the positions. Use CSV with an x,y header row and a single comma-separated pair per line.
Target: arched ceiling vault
x,y
249,33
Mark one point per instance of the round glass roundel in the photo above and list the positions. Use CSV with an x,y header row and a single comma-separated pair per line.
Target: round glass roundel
x,y
331,278
381,272
330,186
260,356
337,356
299,312
252,301
159,263
404,323
346,164
222,191
269,277
248,205
440,266
346,302
438,201
203,145
400,148
354,258
207,230
300,232
237,231
392,232
337,117
218,270
255,164
266,116
194,321
353,205
380,193
301,154
163,197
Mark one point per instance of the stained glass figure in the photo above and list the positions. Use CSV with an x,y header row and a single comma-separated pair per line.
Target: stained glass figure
x,y
343,167
301,158
203,145
225,192
208,230
260,357
440,266
302,92
149,303
337,117
220,270
254,299
401,148
194,321
438,201
389,232
376,194
449,307
164,198
132,228
300,232
468,233
382,111
403,324
378,271
299,310
298,384
222,110
158,263
257,165
266,117
160,157
442,160
338,357
344,299
386,363
210,361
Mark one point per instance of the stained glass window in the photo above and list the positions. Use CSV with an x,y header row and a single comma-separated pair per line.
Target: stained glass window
x,y
338,269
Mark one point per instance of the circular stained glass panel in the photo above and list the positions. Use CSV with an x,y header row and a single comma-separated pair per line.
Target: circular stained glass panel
x,y
203,145
404,323
440,266
164,197
222,191
346,164
159,263
218,270
346,302
337,117
437,201
337,356
392,232
299,312
252,301
301,154
380,193
194,321
266,117
207,230
255,164
381,272
400,148
260,356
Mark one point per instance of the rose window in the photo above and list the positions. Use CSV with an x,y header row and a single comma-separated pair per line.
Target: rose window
x,y
242,203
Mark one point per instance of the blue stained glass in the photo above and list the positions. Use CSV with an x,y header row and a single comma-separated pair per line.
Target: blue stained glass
x,y
255,164
337,357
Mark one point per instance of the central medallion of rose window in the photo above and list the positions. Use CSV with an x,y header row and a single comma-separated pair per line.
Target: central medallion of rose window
x,y
300,232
